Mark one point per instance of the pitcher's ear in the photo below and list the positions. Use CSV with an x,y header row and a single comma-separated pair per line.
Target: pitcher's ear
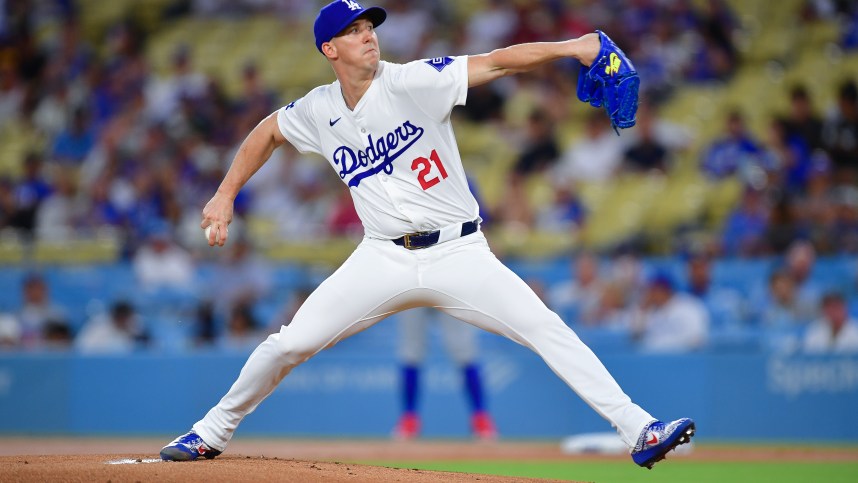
x,y
329,50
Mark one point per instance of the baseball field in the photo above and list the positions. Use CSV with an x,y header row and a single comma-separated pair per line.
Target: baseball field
x,y
103,459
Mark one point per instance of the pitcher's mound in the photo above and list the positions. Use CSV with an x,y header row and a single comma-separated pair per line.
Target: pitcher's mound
x,y
131,467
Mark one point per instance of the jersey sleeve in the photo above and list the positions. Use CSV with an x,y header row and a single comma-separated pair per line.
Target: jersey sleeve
x,y
436,85
298,126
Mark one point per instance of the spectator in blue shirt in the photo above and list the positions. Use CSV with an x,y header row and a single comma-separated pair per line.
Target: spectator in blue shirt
x,y
802,121
788,157
732,154
800,261
746,228
724,304
781,312
74,143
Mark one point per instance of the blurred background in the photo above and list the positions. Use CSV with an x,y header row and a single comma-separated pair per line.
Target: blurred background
x,y
717,238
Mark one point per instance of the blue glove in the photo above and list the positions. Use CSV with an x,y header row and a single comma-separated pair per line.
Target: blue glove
x,y
611,82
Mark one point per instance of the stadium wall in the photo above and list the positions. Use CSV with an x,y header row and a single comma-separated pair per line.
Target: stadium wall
x,y
734,396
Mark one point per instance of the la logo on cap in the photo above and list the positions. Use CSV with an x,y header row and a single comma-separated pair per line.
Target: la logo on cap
x,y
352,5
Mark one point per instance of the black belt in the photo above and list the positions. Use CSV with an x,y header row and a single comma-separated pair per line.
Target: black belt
x,y
424,239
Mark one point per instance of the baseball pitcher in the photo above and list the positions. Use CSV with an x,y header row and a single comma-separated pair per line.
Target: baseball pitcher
x,y
385,130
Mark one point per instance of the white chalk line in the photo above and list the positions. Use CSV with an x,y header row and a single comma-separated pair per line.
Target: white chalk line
x,y
137,461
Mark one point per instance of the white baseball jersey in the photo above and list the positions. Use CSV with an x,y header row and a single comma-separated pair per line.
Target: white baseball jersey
x,y
396,150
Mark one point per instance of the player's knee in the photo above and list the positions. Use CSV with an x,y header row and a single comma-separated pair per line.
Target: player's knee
x,y
295,350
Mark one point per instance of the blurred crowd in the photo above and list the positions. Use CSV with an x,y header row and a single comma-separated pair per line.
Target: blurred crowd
x,y
801,181
793,304
167,301
126,150
137,154
796,308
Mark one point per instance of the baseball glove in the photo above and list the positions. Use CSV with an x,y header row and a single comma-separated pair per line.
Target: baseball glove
x,y
611,82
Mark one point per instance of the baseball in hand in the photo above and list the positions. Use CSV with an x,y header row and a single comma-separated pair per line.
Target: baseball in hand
x,y
208,231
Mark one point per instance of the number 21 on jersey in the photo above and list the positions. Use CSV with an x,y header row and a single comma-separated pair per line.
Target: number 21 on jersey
x,y
425,167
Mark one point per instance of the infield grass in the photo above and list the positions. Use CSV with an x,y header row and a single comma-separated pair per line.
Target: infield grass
x,y
676,471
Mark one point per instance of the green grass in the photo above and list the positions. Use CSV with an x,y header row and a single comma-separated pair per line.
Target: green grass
x,y
667,472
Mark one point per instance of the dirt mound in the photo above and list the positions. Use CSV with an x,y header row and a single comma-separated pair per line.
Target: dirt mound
x,y
136,467
304,460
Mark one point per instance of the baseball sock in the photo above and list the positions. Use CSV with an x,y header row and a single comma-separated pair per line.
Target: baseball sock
x,y
410,380
473,386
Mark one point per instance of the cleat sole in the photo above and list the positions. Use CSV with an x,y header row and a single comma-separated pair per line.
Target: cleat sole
x,y
175,454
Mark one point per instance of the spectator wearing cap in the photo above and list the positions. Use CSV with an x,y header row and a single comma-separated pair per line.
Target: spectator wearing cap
x,y
670,321
835,332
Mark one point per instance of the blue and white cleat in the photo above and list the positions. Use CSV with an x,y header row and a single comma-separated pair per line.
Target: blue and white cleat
x,y
188,447
657,439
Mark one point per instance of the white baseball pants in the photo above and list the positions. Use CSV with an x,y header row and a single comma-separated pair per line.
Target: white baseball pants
x,y
460,277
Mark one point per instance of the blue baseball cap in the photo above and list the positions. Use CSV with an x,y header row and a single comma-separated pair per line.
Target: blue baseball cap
x,y
336,16
661,279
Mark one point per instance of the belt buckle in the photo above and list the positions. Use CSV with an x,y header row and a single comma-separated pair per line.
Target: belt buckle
x,y
407,239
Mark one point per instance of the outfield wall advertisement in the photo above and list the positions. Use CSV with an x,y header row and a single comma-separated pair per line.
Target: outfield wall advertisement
x,y
758,397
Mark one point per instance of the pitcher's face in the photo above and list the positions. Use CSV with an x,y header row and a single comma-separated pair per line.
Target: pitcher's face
x,y
357,44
